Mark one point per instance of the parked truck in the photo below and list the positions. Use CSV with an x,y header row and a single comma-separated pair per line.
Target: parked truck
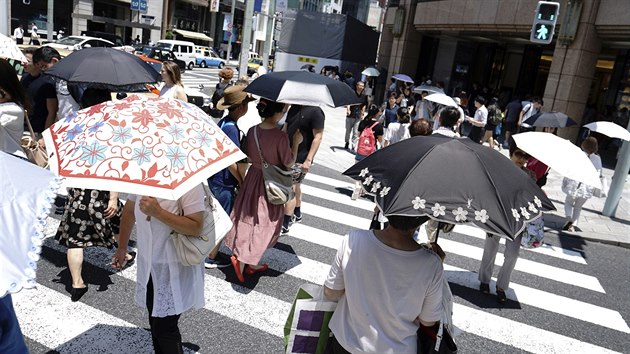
x,y
321,40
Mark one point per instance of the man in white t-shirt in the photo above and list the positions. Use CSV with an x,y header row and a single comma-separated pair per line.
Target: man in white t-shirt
x,y
18,33
34,35
384,281
529,110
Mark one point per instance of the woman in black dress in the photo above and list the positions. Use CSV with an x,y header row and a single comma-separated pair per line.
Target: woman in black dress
x,y
91,217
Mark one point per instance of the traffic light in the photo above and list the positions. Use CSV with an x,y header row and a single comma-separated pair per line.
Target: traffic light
x,y
544,22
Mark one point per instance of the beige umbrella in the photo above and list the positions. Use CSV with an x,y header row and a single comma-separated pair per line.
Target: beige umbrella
x,y
10,50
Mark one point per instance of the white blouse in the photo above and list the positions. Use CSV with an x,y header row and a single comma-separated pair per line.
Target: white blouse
x,y
11,128
176,288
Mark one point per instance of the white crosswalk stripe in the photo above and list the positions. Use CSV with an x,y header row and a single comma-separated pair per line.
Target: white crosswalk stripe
x,y
96,329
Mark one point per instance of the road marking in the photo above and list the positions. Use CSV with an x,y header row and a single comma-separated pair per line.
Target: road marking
x,y
51,319
329,181
562,305
268,313
335,216
338,198
546,249
316,236
525,265
518,335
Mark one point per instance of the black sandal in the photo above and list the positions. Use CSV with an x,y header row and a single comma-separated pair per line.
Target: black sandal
x,y
129,262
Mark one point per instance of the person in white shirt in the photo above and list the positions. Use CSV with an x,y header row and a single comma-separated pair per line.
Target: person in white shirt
x,y
384,281
578,193
13,101
479,121
172,77
18,33
165,287
529,110
34,35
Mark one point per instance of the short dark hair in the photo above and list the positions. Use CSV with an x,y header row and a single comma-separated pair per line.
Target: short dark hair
x,y
420,127
480,100
45,54
406,222
404,119
449,117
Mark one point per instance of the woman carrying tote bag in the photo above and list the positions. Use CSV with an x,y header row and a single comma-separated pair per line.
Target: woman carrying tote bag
x,y
257,222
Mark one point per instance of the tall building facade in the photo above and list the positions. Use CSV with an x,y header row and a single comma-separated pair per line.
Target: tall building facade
x,y
468,43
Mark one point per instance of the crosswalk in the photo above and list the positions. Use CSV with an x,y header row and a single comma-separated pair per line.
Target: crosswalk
x,y
194,78
556,303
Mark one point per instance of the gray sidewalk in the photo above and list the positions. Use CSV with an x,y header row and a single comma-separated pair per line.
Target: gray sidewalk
x,y
592,225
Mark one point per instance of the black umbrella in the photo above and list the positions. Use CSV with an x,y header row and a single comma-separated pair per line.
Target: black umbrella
x,y
550,120
105,68
304,88
454,181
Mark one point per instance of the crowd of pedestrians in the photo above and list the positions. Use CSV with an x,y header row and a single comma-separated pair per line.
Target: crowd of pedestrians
x,y
363,322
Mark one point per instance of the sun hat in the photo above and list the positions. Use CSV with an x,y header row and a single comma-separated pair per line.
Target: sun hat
x,y
233,96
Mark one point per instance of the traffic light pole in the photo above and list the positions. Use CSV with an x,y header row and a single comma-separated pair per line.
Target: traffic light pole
x,y
229,48
618,179
247,37
50,25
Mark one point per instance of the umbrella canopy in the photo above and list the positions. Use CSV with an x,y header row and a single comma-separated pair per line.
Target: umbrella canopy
x,y
560,155
549,120
104,67
371,72
403,77
304,88
10,50
442,99
428,88
148,146
609,129
454,181
27,194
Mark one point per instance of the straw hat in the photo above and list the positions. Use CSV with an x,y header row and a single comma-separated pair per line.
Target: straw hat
x,y
233,96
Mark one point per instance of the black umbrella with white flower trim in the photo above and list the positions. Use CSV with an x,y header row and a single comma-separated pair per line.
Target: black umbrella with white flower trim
x,y
456,181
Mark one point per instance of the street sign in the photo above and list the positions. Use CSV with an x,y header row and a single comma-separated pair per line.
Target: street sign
x,y
143,6
135,5
544,22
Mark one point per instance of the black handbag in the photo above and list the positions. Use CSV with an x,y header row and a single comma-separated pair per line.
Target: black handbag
x,y
435,339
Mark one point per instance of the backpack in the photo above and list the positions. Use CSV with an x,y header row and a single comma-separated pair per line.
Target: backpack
x,y
216,96
242,137
494,115
367,141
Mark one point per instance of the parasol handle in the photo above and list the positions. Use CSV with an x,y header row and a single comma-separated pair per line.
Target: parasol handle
x,y
437,232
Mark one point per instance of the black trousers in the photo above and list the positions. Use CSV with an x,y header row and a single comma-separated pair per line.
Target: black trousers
x,y
164,330
336,348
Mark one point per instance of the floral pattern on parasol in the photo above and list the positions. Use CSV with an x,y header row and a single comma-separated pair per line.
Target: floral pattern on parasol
x,y
149,146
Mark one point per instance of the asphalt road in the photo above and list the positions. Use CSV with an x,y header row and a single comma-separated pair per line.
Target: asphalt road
x,y
567,297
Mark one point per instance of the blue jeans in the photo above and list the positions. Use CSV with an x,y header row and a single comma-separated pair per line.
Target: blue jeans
x,y
11,339
225,196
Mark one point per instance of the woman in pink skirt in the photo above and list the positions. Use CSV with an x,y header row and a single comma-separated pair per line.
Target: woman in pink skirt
x,y
256,221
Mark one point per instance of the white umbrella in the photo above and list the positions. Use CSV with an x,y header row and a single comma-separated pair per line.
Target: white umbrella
x,y
442,99
609,129
10,50
27,194
560,155
371,72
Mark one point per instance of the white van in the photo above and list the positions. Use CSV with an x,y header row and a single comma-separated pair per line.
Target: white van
x,y
183,50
